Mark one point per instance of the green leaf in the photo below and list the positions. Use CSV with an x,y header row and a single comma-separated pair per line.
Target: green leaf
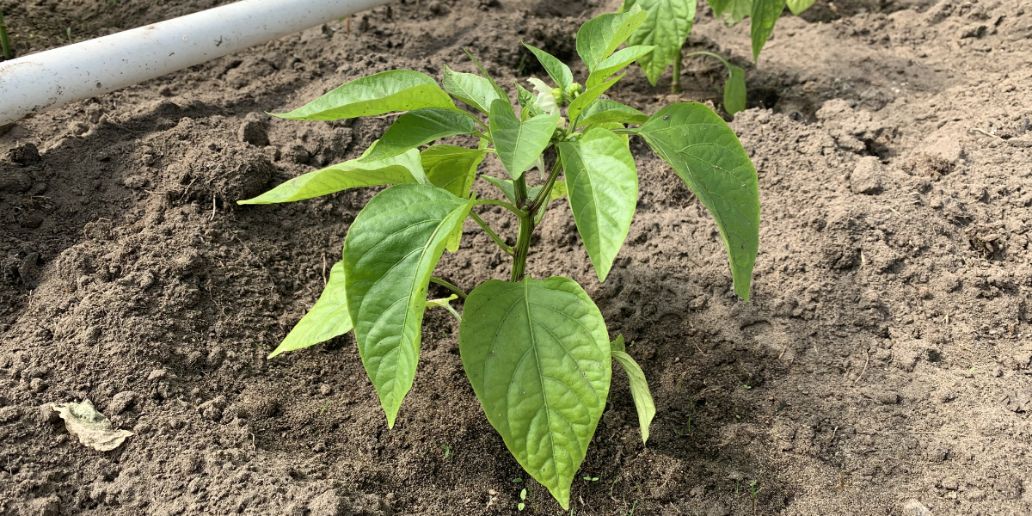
x,y
556,69
602,35
385,92
603,189
476,91
452,168
390,252
708,157
605,111
765,14
419,127
733,10
667,26
538,357
618,61
525,98
589,96
799,6
640,393
327,318
517,143
401,169
734,90
559,190
505,185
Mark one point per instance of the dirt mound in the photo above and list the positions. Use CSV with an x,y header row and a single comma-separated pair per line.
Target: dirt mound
x,y
884,365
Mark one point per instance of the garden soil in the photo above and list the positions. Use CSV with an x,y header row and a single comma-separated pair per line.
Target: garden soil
x,y
883,365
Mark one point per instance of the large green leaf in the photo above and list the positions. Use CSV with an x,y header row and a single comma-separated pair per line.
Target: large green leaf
x,y
589,96
385,92
390,252
707,155
799,6
422,126
556,69
735,97
327,318
666,27
765,14
476,91
517,143
603,189
538,356
400,169
602,35
616,62
605,111
451,167
640,393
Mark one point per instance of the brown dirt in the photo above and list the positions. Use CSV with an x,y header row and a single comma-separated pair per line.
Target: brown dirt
x,y
883,366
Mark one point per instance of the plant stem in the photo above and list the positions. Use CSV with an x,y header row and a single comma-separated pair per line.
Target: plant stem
x,y
448,285
718,57
519,259
5,42
454,313
495,202
491,233
675,79
546,191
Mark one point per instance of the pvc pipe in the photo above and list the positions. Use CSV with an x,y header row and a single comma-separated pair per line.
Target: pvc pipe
x,y
98,66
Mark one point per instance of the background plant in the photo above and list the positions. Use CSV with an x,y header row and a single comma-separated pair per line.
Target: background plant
x,y
6,50
669,22
536,351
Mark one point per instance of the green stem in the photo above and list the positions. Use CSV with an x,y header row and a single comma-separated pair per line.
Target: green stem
x,y
448,285
495,202
675,79
519,258
453,312
491,233
718,57
546,191
5,42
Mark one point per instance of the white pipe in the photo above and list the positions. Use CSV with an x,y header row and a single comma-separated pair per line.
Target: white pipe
x,y
102,65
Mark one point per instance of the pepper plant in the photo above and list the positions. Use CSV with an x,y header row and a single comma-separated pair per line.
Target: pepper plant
x,y
535,349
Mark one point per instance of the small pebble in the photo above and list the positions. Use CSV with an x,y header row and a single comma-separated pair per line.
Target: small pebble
x,y
38,385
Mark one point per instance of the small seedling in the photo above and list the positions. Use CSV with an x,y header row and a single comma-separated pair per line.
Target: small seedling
x,y
446,451
754,490
669,22
523,500
6,51
589,478
536,350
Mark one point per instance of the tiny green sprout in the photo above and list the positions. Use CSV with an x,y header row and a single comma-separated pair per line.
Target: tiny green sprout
x,y
589,478
669,22
564,140
523,500
6,50
447,452
754,490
